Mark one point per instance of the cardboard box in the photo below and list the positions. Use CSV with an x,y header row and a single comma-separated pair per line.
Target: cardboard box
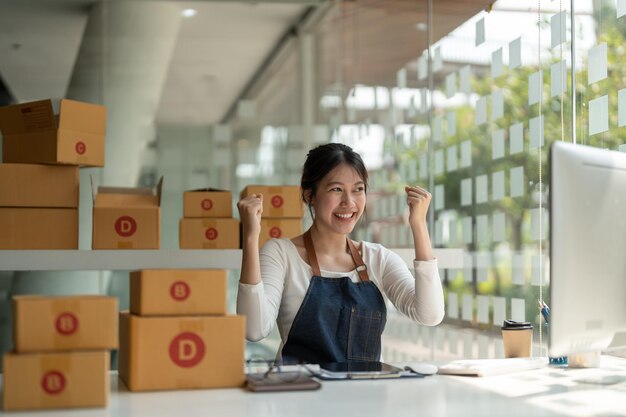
x,y
178,292
279,201
38,228
33,134
207,202
56,380
127,218
29,185
279,228
64,323
160,353
208,234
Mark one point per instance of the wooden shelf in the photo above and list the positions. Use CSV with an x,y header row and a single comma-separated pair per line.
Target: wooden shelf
x,y
113,260
116,260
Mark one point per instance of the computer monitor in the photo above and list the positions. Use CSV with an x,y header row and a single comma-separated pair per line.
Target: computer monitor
x,y
587,248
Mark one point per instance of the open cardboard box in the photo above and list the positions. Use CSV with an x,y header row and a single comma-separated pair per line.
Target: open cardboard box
x,y
32,133
127,217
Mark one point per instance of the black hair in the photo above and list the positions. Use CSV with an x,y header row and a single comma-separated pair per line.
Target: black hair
x,y
323,159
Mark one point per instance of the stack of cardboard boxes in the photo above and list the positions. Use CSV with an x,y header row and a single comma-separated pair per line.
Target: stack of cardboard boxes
x,y
61,356
207,221
39,178
177,334
282,211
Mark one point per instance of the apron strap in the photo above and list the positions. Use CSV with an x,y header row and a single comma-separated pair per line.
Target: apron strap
x,y
361,268
356,257
310,253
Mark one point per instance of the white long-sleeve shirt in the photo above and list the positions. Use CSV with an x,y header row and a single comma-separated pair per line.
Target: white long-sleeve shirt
x,y
286,276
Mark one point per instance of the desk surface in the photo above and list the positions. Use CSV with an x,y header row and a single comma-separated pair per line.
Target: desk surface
x,y
543,392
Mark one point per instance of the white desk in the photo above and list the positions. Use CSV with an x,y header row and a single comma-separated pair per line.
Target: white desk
x,y
544,392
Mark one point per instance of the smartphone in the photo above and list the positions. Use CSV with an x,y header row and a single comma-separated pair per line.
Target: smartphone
x,y
281,381
359,370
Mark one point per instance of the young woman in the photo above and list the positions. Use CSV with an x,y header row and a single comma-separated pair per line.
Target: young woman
x,y
323,290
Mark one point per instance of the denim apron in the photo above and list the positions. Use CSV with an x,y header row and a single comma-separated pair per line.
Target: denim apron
x,y
339,320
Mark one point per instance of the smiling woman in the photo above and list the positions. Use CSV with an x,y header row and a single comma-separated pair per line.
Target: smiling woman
x,y
325,291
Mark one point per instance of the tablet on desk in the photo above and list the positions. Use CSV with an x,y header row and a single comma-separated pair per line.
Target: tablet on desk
x,y
358,370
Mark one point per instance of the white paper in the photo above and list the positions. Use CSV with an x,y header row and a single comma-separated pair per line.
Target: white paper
x,y
480,32
518,309
535,84
499,225
451,123
499,310
497,144
452,158
412,174
516,138
621,106
517,181
515,53
451,84
596,63
401,78
464,75
537,218
599,115
497,179
497,104
518,269
482,302
481,111
466,191
466,154
482,232
468,234
437,127
439,197
558,26
557,78
536,132
437,61
496,63
482,194
439,162
468,307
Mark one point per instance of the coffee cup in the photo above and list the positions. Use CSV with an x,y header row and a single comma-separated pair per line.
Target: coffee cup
x,y
517,337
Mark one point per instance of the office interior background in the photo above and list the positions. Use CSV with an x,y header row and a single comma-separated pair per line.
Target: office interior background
x,y
463,98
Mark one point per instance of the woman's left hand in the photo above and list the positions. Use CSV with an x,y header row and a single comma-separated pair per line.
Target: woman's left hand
x,y
418,200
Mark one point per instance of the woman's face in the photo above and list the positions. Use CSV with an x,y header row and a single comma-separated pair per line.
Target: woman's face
x,y
339,201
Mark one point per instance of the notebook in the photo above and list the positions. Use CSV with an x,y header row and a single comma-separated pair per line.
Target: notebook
x,y
488,367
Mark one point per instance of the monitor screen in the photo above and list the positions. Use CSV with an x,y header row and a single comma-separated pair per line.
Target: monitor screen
x,y
587,248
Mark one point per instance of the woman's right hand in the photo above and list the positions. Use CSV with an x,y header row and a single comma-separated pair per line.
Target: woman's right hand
x,y
250,210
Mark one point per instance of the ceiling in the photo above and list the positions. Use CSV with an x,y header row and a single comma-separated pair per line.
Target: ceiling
x,y
222,49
